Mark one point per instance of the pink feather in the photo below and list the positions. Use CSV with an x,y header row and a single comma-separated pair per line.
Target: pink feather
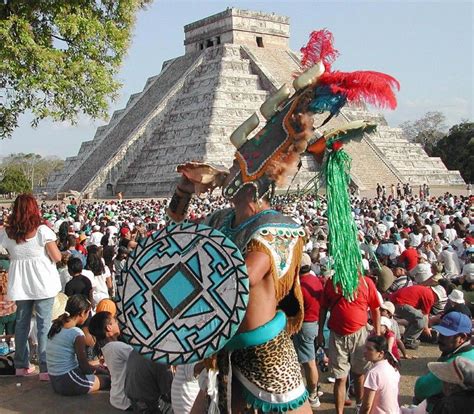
x,y
319,47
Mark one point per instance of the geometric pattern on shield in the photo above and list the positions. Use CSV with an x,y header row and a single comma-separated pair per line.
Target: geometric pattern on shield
x,y
182,294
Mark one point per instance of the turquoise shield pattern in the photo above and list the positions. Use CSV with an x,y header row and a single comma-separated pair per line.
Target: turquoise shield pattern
x,y
182,294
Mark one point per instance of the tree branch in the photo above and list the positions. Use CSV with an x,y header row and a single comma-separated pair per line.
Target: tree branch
x,y
61,38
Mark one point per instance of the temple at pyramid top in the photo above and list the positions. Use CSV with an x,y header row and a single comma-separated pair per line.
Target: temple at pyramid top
x,y
242,27
233,61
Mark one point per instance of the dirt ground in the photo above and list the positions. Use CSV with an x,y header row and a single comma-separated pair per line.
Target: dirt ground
x,y
410,370
28,395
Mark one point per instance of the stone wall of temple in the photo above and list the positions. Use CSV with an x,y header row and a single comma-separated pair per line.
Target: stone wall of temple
x,y
232,62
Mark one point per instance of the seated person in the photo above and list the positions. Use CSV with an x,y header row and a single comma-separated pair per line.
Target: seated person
x,y
454,340
458,386
69,370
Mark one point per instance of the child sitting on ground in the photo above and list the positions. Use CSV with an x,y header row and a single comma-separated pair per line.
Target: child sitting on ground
x,y
387,309
69,370
104,327
79,284
137,383
387,331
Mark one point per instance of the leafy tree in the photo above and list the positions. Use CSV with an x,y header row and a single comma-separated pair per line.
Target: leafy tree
x,y
427,130
59,58
457,150
33,166
14,181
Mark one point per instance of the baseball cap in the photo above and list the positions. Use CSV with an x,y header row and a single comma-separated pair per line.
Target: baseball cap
x,y
454,323
106,305
305,260
389,306
458,371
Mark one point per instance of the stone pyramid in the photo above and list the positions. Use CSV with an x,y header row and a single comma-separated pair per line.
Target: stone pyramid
x,y
233,60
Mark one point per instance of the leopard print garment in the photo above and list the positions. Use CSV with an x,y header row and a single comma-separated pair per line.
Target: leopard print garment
x,y
273,366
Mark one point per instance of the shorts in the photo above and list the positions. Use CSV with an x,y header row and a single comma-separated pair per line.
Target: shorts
x,y
72,383
304,342
346,353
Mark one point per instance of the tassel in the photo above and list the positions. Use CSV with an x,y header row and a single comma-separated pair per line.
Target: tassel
x,y
343,245
287,284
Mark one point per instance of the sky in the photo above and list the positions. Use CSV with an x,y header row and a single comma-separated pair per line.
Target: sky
x,y
426,45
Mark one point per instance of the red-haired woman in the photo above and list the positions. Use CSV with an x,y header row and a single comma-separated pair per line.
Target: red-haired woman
x,y
33,278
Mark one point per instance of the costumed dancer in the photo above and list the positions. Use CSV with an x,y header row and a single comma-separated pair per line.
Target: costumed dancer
x,y
264,366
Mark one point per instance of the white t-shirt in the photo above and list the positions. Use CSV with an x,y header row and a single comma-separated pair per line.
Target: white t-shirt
x,y
116,356
32,274
384,380
450,260
95,239
99,286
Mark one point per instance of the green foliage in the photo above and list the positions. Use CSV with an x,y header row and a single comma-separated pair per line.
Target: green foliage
x,y
457,150
14,181
427,130
33,166
59,58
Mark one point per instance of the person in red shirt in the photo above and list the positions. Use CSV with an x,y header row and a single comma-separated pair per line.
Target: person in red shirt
x,y
312,289
348,326
413,303
409,258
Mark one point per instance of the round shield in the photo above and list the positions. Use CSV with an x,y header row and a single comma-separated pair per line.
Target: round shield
x,y
183,293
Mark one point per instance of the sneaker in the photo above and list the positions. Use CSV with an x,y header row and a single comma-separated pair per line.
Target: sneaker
x,y
25,372
319,392
314,401
44,376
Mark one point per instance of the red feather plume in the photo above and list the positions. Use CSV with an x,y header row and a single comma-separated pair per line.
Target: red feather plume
x,y
319,47
374,88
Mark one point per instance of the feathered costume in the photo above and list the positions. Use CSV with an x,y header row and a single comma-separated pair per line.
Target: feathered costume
x,y
266,161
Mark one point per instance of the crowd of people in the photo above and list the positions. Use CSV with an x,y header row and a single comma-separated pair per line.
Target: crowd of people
x,y
418,286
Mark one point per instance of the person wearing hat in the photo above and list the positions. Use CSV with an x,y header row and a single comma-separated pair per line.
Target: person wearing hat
x,y
424,275
80,244
401,279
450,260
456,303
454,340
7,306
458,386
95,237
312,289
387,309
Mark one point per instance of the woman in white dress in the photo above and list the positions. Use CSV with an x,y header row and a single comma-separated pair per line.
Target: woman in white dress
x,y
33,278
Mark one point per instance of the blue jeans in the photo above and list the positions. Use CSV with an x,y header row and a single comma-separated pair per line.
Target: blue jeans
x,y
24,310
304,342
